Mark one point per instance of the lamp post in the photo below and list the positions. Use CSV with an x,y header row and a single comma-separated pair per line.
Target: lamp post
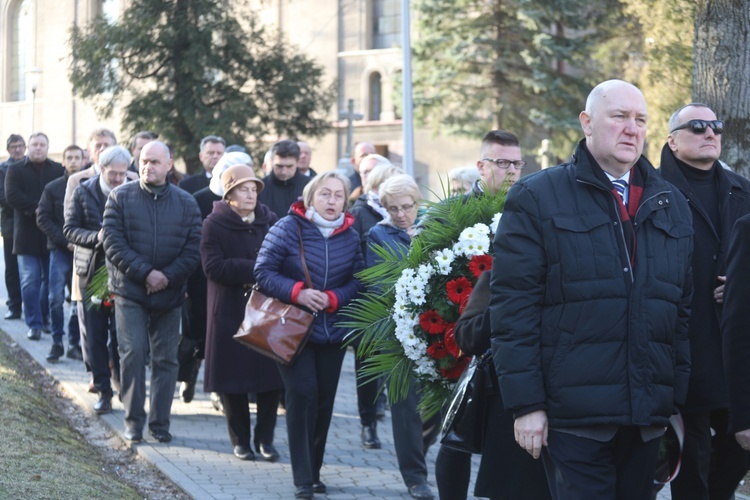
x,y
33,75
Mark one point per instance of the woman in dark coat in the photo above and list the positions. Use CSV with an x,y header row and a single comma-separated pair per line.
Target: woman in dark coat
x,y
232,236
507,471
333,256
367,212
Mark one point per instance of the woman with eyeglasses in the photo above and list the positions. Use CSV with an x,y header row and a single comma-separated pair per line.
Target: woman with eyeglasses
x,y
319,227
400,197
368,211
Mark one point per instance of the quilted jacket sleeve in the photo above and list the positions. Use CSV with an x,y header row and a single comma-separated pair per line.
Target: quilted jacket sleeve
x,y
75,222
517,287
269,272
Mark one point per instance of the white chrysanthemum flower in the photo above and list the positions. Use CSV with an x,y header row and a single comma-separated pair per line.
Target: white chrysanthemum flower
x,y
470,233
418,298
481,228
444,259
425,272
496,221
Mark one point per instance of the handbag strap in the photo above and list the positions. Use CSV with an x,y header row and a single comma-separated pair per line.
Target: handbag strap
x,y
302,257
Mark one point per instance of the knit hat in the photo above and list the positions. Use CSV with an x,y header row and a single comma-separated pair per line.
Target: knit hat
x,y
236,175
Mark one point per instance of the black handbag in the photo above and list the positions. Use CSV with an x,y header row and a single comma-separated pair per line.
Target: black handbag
x,y
465,420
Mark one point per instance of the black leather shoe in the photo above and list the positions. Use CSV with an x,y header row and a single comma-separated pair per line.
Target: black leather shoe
x,y
244,452
34,334
303,492
55,352
370,437
46,328
161,436
104,405
133,436
268,452
421,491
74,352
319,487
12,315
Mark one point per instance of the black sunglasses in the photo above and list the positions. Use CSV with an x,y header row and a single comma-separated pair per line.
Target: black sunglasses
x,y
699,126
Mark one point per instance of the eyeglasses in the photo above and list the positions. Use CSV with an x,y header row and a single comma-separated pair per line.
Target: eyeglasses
x,y
699,126
506,164
403,208
16,146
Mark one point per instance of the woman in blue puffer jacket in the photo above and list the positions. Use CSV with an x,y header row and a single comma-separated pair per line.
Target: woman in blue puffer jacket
x,y
333,255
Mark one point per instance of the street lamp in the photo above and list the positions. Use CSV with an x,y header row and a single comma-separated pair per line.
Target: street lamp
x,y
32,78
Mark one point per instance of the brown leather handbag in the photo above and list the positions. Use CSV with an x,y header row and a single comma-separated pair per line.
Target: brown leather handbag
x,y
273,328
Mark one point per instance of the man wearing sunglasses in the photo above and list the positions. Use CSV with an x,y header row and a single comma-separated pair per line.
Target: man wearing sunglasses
x,y
590,292
711,467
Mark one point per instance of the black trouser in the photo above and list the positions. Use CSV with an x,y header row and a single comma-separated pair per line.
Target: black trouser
x,y
412,437
194,318
452,473
579,468
101,346
12,277
311,383
712,467
367,393
238,417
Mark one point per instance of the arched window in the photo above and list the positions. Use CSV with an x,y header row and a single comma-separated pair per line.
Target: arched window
x,y
21,47
376,96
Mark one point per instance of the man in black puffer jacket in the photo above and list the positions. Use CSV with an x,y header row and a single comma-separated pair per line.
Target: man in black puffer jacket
x,y
152,233
591,290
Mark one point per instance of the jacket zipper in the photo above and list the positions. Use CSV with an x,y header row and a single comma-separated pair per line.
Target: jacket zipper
x,y
622,232
325,285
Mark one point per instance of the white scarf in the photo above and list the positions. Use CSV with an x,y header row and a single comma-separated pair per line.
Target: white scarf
x,y
373,200
104,186
326,227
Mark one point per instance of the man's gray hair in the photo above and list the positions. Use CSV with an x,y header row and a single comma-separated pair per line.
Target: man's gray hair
x,y
673,123
114,154
215,139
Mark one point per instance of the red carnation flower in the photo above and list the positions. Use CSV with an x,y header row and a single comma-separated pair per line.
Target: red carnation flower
x,y
450,341
479,264
437,350
456,370
431,322
458,289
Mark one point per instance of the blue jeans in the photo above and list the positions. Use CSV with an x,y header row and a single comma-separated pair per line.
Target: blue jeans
x,y
137,329
33,270
60,265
